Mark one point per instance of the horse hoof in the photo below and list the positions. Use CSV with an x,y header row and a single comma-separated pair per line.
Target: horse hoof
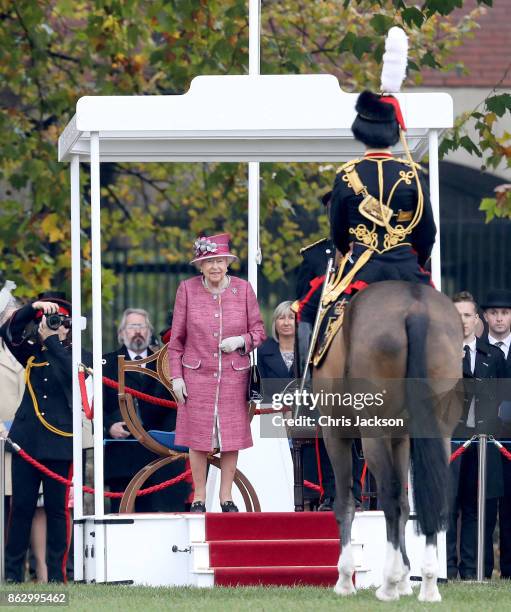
x,y
430,596
404,587
344,589
383,595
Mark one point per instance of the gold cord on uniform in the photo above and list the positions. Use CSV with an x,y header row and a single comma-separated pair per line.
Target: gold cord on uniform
x,y
31,364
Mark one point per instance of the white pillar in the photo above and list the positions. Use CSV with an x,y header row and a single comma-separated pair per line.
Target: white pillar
x,y
434,190
254,252
76,300
97,350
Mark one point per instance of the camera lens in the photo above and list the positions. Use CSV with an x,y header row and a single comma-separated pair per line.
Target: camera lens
x,y
54,321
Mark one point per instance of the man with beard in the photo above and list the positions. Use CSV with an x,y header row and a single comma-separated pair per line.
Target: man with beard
x,y
124,456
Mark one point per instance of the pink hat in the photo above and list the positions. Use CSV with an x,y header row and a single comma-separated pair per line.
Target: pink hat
x,y
209,247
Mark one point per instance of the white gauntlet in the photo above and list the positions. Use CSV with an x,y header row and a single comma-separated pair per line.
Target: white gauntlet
x,y
229,345
179,388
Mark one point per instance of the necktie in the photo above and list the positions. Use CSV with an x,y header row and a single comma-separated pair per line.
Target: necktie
x,y
467,362
137,407
499,343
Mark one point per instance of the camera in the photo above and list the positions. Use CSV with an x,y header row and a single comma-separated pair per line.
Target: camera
x,y
54,321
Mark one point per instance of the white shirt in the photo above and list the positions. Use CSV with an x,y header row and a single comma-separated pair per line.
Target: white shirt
x,y
471,416
505,346
142,355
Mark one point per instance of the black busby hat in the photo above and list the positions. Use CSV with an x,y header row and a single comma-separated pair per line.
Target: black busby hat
x,y
497,298
376,124
325,198
59,297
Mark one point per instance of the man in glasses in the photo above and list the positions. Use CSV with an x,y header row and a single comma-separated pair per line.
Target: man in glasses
x,y
124,456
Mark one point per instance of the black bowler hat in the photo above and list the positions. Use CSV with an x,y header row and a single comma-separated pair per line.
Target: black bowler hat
x,y
59,297
497,298
325,198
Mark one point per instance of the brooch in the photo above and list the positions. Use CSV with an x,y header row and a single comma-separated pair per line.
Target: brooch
x,y
234,290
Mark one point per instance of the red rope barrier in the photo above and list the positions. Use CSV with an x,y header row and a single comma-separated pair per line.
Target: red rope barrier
x,y
89,411
311,485
42,468
138,394
459,451
502,449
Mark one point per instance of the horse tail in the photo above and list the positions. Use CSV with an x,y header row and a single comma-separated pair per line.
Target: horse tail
x,y
430,470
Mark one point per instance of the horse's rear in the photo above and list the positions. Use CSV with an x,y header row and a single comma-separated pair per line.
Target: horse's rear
x,y
402,331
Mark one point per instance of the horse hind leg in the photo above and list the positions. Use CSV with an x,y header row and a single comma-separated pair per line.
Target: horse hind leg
x,y
339,452
390,495
429,588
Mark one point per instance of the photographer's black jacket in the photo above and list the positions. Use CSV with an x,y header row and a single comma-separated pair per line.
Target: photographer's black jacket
x,y
48,383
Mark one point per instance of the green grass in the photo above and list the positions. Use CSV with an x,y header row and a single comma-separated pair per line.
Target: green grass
x,y
457,597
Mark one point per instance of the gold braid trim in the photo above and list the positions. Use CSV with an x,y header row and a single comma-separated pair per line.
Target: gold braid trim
x,y
44,422
340,282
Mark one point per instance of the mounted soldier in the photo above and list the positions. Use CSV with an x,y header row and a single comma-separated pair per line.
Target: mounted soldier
x,y
381,217
399,329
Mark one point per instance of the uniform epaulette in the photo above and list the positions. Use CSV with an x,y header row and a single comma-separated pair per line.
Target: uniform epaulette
x,y
352,162
403,160
309,246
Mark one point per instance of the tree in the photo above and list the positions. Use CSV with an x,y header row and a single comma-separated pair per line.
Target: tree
x,y
55,51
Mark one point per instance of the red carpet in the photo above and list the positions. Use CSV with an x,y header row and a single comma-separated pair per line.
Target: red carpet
x,y
273,548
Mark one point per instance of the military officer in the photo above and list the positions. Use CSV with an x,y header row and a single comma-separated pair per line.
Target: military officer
x,y
43,428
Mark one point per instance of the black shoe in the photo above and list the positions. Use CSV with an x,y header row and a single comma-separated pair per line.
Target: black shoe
x,y
327,505
229,506
198,507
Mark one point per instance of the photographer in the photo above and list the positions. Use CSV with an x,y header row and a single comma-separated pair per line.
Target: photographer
x,y
43,428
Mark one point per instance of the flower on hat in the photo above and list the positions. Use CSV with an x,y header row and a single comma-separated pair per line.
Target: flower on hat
x,y
204,245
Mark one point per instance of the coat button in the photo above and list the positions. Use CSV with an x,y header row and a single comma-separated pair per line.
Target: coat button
x,y
43,413
45,379
216,315
45,397
215,297
215,374
215,334
215,354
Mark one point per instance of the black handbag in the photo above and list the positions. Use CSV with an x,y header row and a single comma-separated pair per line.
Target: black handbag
x,y
255,384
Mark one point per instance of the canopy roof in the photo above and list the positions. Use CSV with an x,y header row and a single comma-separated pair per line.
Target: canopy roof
x,y
241,118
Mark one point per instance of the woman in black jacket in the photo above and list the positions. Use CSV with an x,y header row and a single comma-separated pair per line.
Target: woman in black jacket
x,y
276,355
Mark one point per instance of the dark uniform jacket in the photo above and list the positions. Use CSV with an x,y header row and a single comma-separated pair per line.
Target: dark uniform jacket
x,y
313,266
345,214
52,388
270,362
315,258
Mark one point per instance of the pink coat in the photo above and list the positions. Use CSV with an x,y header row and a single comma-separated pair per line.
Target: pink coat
x,y
216,382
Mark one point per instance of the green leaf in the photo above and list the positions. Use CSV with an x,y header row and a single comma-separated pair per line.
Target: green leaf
x,y
499,104
362,45
381,24
413,16
468,144
428,59
347,42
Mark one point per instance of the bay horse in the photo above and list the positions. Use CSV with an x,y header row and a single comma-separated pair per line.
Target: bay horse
x,y
403,331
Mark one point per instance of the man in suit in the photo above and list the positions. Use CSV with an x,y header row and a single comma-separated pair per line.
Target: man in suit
x,y
43,427
481,362
123,460
497,313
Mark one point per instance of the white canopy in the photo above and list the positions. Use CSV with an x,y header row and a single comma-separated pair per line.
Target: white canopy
x,y
240,118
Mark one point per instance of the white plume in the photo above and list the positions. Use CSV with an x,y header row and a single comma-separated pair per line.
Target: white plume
x,y
395,60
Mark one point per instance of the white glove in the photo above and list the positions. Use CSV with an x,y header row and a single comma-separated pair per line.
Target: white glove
x,y
229,345
179,388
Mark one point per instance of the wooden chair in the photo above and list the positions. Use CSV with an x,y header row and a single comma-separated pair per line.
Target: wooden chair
x,y
166,455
